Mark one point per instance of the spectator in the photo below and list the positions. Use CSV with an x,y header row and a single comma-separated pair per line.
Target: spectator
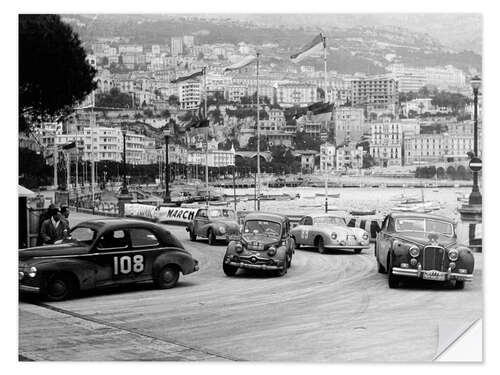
x,y
65,215
53,229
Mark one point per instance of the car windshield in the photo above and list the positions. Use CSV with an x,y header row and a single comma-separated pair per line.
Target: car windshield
x,y
262,227
83,234
223,213
424,225
335,220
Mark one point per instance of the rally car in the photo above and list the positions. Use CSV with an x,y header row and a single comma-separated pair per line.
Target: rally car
x,y
213,223
101,253
422,246
264,244
329,231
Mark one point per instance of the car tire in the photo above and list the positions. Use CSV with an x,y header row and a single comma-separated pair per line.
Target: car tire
x,y
167,277
211,237
229,270
192,236
357,251
320,244
58,287
393,280
283,271
459,284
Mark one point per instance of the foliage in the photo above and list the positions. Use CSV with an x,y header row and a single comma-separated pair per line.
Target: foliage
x,y
252,144
173,100
242,113
228,143
304,141
455,101
33,172
165,114
114,99
368,161
215,116
148,112
53,73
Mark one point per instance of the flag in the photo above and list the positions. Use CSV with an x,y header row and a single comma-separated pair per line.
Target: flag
x,y
188,77
69,146
314,46
241,64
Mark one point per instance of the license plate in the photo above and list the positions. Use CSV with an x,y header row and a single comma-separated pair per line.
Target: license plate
x,y
433,275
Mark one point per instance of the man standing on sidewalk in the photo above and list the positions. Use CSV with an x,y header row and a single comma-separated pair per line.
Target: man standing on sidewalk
x,y
53,229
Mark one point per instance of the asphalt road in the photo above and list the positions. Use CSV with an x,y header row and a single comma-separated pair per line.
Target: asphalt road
x,y
328,308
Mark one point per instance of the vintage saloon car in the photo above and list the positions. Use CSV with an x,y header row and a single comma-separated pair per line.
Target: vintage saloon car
x,y
329,231
264,244
101,253
213,223
422,246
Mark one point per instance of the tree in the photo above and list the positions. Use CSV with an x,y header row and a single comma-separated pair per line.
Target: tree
x,y
148,112
252,144
368,161
53,72
105,61
304,141
173,100
165,114
114,99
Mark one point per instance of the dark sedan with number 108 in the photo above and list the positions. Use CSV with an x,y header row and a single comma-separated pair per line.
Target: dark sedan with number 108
x,y
422,246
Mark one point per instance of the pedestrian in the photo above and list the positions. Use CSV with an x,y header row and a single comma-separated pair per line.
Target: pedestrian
x,y
53,229
65,215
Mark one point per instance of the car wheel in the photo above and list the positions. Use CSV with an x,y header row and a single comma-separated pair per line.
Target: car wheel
x,y
282,272
357,251
459,284
320,244
192,235
229,270
59,287
167,277
393,279
211,237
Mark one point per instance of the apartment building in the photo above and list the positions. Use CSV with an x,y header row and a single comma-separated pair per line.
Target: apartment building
x,y
386,143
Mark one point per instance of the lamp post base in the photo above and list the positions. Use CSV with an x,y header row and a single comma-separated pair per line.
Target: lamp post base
x,y
475,198
122,200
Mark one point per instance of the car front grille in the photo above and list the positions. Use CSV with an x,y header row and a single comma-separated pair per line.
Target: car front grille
x,y
433,258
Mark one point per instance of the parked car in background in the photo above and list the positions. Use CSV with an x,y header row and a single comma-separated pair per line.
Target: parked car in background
x,y
422,246
329,232
101,253
213,223
264,244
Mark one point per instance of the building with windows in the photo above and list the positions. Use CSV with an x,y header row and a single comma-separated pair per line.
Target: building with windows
x,y
234,93
348,123
296,94
327,160
377,94
188,41
386,143
189,94
176,46
349,156
307,160
428,148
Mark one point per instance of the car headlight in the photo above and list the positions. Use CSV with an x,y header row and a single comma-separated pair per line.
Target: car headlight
x,y
238,248
453,255
222,230
365,236
334,236
271,251
32,272
414,251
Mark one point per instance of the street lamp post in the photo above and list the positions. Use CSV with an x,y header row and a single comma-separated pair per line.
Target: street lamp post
x,y
124,190
475,197
166,198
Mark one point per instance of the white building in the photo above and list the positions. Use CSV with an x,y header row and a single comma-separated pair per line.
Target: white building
x,y
296,94
428,148
189,94
188,41
326,157
386,143
349,156
176,46
349,123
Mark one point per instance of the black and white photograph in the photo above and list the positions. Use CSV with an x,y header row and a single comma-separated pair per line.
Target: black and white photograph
x,y
260,186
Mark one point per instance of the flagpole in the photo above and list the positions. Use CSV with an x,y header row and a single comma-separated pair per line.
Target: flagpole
x,y
258,137
92,165
326,122
208,127
55,154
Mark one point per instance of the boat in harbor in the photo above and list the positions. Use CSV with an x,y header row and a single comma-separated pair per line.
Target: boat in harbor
x,y
332,195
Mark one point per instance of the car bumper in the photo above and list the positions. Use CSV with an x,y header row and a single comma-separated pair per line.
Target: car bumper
x,y
432,275
29,288
347,247
252,266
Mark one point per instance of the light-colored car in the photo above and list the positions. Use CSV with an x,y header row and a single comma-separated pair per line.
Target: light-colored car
x,y
213,223
329,232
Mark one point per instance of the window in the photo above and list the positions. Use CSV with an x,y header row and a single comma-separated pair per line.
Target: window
x,y
142,238
112,240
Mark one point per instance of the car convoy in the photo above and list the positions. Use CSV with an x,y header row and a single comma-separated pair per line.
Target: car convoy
x,y
105,252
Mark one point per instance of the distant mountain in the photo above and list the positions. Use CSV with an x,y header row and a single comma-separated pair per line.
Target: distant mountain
x,y
360,43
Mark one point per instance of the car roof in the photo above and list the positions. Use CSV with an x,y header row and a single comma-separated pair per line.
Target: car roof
x,y
397,215
338,214
265,216
117,223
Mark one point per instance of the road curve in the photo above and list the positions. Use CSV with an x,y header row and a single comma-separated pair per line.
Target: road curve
x,y
327,308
